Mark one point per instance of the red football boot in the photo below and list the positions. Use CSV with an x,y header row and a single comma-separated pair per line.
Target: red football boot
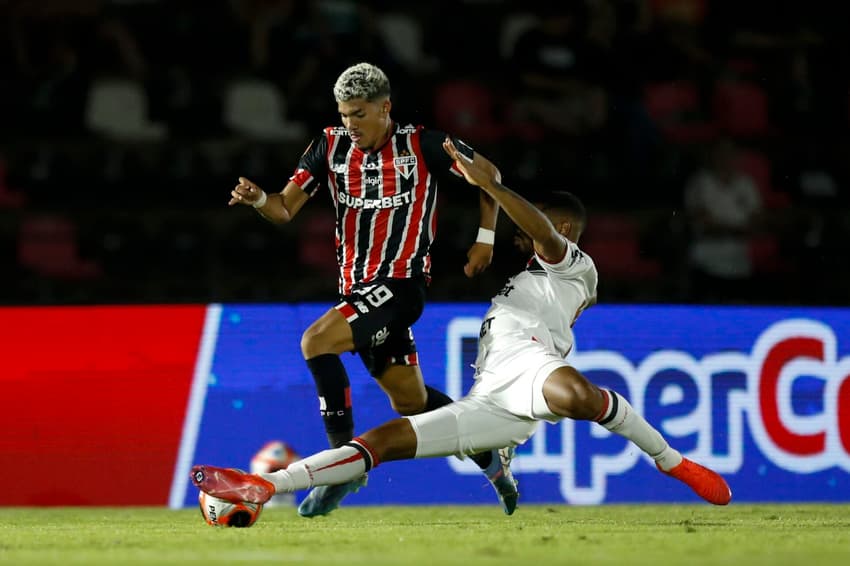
x,y
231,484
706,483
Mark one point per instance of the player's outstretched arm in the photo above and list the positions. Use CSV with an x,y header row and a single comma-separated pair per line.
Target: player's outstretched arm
x,y
278,208
547,241
480,254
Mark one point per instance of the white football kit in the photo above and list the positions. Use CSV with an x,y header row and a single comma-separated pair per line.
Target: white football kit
x,y
525,335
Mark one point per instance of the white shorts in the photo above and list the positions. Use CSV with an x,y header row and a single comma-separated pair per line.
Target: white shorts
x,y
511,371
468,426
503,408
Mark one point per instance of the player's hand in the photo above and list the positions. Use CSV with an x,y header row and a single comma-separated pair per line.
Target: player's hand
x,y
473,171
479,256
246,192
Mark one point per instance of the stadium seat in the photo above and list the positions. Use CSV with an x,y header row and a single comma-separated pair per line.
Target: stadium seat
x,y
118,109
9,197
613,241
764,248
48,246
468,109
316,250
757,165
256,109
740,108
766,255
403,36
675,108
513,26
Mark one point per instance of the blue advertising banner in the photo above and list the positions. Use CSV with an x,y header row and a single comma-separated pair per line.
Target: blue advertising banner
x,y
760,394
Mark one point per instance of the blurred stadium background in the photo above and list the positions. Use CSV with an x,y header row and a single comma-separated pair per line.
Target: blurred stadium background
x,y
126,122
124,125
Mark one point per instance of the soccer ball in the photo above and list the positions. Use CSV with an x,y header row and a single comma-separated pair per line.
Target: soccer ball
x,y
220,513
273,456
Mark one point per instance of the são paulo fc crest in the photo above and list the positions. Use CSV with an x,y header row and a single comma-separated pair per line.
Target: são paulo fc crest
x,y
405,164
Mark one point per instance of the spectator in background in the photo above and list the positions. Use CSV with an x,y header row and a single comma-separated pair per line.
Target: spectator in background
x,y
58,49
618,30
560,86
257,24
560,90
724,208
50,75
334,33
678,46
277,38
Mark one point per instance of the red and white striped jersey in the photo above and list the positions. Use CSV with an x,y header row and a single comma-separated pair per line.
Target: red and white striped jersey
x,y
385,200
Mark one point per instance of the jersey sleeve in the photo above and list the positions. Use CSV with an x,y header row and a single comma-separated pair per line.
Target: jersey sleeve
x,y
574,264
436,158
312,167
577,268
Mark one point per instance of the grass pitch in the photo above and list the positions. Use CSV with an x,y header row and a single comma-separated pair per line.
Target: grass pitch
x,y
536,535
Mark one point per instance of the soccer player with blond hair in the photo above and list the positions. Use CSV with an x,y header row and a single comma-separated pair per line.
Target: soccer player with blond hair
x,y
382,177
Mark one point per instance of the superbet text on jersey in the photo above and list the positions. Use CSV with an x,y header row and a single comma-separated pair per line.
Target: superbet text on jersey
x,y
385,200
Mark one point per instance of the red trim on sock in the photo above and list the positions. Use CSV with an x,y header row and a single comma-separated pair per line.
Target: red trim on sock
x,y
361,442
348,460
602,414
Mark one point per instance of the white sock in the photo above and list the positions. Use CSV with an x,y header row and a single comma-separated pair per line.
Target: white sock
x,y
328,467
620,417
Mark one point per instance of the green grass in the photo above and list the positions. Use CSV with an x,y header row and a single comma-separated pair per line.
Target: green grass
x,y
537,535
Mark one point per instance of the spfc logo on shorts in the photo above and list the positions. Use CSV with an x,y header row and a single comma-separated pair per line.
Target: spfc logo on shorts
x,y
405,164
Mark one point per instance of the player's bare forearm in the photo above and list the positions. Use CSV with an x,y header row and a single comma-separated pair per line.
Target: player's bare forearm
x,y
487,166
488,207
489,210
277,208
528,218
274,210
480,255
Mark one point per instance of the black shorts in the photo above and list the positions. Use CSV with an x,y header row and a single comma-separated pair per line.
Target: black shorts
x,y
380,314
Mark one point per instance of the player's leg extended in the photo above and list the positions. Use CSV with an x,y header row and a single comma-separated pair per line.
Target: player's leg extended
x,y
465,427
403,383
569,394
394,440
471,426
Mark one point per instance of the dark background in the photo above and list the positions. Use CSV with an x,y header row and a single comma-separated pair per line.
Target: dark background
x,y
120,138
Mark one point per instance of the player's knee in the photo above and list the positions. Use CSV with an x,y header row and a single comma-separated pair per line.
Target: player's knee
x,y
405,389
393,440
313,342
407,406
583,401
570,394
